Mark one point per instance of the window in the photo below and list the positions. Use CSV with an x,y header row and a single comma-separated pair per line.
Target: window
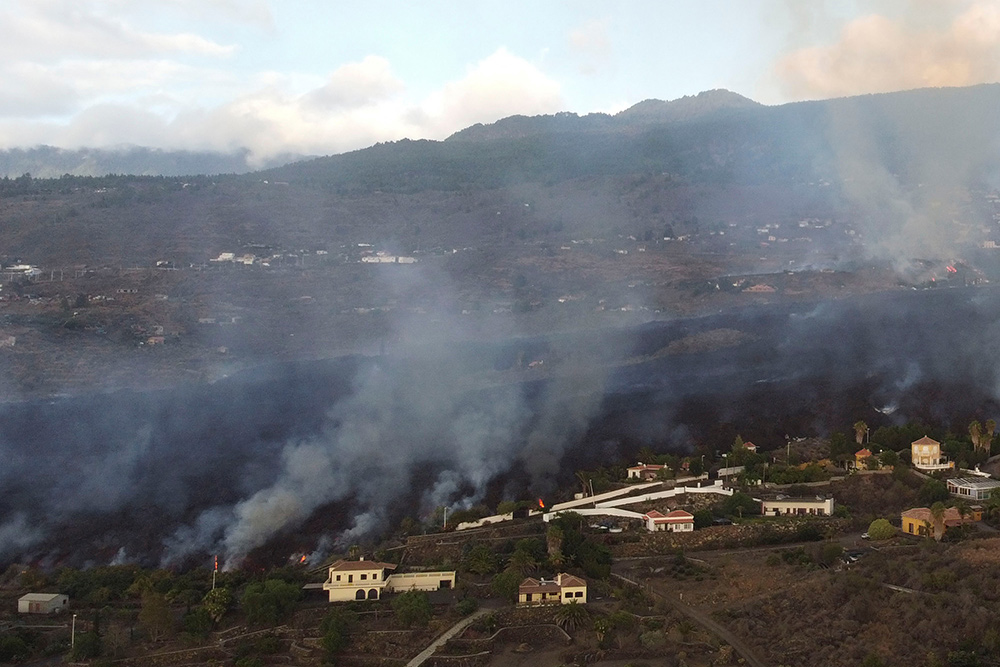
x,y
338,577
350,578
568,595
364,577
578,594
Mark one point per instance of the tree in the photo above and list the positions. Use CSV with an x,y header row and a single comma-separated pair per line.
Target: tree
x,y
976,434
13,649
504,585
522,562
154,617
933,490
335,630
412,608
571,616
480,560
860,431
881,529
888,459
269,602
86,646
198,622
217,602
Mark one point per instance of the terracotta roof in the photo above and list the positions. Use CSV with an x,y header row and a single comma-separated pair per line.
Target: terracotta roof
x,y
749,445
350,565
676,516
863,453
531,585
569,580
925,441
951,515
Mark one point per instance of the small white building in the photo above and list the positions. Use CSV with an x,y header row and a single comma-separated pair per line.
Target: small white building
x,y
677,521
645,470
786,506
42,603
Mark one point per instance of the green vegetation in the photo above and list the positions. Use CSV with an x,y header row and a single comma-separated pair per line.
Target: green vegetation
x,y
881,529
412,608
270,601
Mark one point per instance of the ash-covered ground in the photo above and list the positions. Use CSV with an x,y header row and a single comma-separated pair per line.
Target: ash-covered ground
x,y
327,452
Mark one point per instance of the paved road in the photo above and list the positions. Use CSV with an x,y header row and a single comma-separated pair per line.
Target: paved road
x,y
448,634
702,619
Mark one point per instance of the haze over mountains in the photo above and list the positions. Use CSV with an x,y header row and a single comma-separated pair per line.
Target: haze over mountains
x,y
736,225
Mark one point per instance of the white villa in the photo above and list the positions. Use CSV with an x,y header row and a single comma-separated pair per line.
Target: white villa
x,y
369,579
677,521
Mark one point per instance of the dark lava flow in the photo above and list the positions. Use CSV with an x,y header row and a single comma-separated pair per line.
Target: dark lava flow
x,y
82,478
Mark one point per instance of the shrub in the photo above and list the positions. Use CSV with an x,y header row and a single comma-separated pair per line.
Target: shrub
x,y
881,529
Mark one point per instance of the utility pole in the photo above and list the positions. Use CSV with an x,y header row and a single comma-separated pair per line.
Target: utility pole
x,y
444,526
72,636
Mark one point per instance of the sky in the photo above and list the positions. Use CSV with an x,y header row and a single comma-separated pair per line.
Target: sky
x,y
322,77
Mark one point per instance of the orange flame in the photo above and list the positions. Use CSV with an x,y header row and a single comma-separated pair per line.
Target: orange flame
x,y
302,560
541,504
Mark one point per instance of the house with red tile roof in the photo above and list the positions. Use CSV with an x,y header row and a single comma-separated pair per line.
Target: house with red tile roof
x,y
677,521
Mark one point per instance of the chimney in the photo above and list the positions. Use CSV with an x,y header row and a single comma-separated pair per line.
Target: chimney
x,y
362,558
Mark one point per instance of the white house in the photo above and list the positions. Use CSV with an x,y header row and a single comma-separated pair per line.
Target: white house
x,y
645,470
42,603
784,506
368,580
677,521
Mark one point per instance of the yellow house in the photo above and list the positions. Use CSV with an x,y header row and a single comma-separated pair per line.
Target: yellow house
x,y
925,454
920,521
862,458
564,589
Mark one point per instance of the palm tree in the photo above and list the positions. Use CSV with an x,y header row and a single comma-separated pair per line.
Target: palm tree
x,y
976,435
937,514
988,431
860,431
522,562
571,616
581,476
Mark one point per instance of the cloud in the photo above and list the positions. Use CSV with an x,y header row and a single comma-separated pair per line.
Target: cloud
x,y
50,30
957,44
498,86
591,45
358,104
356,84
